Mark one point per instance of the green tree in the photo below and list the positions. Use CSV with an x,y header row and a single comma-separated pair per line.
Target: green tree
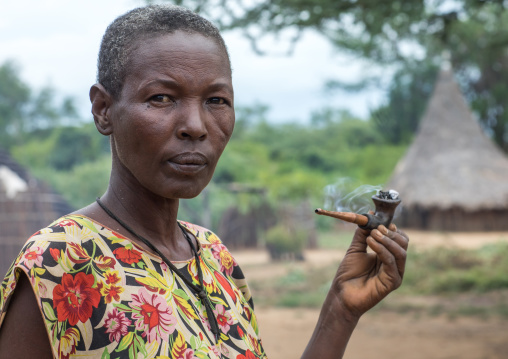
x,y
24,110
14,95
61,148
407,97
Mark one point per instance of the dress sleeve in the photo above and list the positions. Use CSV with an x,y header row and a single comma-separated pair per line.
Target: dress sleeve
x,y
40,260
239,279
31,261
7,288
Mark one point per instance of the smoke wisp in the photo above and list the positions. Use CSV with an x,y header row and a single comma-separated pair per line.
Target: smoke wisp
x,y
343,197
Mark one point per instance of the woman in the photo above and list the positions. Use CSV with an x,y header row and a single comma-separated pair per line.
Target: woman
x,y
123,277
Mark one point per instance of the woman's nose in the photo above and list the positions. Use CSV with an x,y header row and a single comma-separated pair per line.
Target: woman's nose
x,y
192,125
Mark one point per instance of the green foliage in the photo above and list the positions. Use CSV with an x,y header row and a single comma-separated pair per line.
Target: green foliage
x,y
14,95
23,110
61,148
453,270
364,26
408,94
81,184
295,161
75,161
284,243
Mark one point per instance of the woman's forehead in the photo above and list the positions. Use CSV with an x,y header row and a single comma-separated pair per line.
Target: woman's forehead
x,y
190,62
178,48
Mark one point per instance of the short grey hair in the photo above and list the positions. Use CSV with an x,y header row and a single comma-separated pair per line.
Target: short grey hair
x,y
125,31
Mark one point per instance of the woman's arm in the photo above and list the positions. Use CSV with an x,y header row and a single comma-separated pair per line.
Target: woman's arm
x,y
22,334
362,280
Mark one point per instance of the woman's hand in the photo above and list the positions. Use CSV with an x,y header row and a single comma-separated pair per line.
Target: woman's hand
x,y
362,280
365,278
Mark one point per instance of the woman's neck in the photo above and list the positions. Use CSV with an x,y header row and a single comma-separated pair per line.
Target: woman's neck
x,y
149,215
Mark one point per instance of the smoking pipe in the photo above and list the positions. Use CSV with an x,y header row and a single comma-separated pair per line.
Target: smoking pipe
x,y
385,202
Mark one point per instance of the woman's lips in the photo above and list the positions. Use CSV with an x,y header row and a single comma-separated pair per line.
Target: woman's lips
x,y
188,162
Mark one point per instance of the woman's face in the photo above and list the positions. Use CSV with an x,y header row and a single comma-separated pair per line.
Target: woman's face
x,y
175,114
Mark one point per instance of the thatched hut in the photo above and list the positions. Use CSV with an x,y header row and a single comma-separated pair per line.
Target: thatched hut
x,y
26,205
453,177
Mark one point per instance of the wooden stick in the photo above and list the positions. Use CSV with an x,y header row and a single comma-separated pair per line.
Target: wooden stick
x,y
359,219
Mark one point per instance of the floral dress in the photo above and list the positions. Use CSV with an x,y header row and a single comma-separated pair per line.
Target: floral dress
x,y
102,296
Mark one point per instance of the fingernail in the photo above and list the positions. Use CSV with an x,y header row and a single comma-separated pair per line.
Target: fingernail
x,y
383,229
376,234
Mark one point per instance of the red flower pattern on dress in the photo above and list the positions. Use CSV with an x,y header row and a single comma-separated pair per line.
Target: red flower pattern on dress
x,y
248,355
75,297
152,315
55,253
116,325
67,223
127,255
112,277
223,318
32,256
111,292
226,260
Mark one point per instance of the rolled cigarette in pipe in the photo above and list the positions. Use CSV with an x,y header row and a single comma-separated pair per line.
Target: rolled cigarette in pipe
x,y
359,219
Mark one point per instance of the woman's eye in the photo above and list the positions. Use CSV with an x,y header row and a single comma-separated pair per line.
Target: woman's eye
x,y
161,98
217,100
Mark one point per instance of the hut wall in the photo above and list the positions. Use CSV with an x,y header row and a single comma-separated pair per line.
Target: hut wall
x,y
24,210
454,219
242,230
22,216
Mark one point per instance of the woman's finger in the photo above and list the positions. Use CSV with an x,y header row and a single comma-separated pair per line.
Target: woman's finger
x,y
395,243
389,273
396,234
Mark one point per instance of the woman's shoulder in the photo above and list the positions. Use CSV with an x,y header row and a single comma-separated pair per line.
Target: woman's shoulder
x,y
72,226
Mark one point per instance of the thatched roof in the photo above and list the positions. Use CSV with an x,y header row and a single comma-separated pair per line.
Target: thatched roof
x,y
451,162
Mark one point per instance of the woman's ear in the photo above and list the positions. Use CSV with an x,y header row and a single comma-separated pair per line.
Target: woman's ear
x,y
101,106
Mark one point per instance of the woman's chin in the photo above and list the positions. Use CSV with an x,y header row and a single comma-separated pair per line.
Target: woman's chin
x,y
184,193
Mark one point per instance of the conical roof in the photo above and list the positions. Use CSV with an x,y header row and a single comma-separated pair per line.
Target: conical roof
x,y
451,162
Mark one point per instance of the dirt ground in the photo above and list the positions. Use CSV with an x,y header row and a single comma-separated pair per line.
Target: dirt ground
x,y
383,334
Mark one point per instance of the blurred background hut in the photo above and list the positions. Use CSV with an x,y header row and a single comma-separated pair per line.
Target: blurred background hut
x,y
453,177
26,205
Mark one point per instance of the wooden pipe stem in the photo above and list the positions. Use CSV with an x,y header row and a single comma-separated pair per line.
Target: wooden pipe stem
x,y
359,219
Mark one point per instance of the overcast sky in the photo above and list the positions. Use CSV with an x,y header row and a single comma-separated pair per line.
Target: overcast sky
x,y
56,42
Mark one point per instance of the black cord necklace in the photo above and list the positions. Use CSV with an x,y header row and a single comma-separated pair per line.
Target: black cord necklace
x,y
199,290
